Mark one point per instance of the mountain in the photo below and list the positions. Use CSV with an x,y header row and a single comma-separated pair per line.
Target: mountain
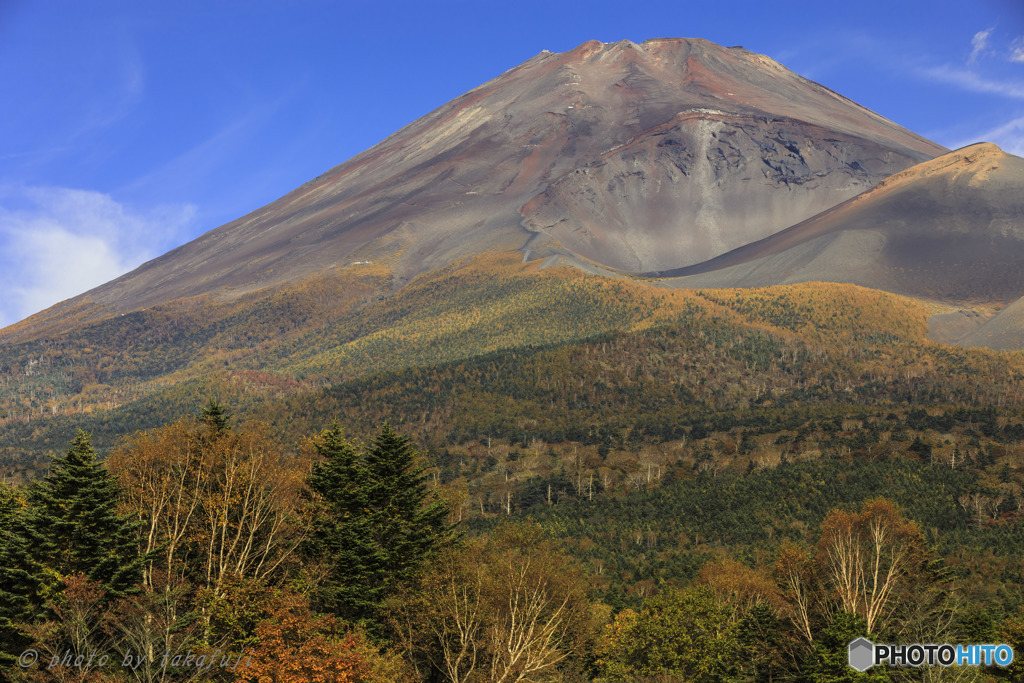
x,y
636,157
655,407
949,229
637,165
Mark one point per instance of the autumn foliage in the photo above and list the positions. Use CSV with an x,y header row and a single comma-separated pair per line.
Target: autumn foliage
x,y
338,561
294,645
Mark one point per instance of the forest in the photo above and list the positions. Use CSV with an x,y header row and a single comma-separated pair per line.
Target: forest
x,y
501,473
203,550
729,348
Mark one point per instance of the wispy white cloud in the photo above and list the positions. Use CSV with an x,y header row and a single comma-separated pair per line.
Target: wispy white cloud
x,y
1009,136
973,81
56,243
980,45
1017,50
996,76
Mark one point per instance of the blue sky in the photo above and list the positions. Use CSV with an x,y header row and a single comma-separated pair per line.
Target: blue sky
x,y
128,128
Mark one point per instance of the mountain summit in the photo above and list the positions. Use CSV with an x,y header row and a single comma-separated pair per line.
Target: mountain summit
x,y
641,158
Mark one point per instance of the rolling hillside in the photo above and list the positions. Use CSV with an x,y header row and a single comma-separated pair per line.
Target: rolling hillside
x,y
580,346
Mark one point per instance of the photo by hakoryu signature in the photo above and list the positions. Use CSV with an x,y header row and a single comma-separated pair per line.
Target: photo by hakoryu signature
x,y
128,660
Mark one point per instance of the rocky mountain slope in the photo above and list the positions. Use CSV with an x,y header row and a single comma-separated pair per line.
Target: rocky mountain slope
x,y
639,157
674,163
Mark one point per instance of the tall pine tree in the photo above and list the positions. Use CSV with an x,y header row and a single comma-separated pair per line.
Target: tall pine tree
x,y
376,525
72,523
341,533
18,584
410,522
63,525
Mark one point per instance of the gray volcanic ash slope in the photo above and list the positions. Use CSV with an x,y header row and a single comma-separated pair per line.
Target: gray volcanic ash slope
x,y
701,185
639,157
950,229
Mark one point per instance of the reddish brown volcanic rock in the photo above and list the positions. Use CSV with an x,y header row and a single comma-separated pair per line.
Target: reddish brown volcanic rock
x,y
640,157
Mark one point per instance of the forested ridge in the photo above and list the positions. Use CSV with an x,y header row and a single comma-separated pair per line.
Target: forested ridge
x,y
553,350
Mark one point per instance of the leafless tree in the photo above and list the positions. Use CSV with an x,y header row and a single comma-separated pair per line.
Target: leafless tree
x,y
506,609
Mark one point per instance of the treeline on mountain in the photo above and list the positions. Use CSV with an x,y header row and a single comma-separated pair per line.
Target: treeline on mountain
x,y
799,343
336,325
584,423
690,356
337,560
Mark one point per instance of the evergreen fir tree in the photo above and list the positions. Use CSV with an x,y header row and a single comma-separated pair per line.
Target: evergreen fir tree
x,y
408,524
341,534
17,583
216,416
375,524
73,526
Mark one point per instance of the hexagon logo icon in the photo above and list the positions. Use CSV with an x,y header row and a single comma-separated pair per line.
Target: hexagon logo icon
x,y
861,654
